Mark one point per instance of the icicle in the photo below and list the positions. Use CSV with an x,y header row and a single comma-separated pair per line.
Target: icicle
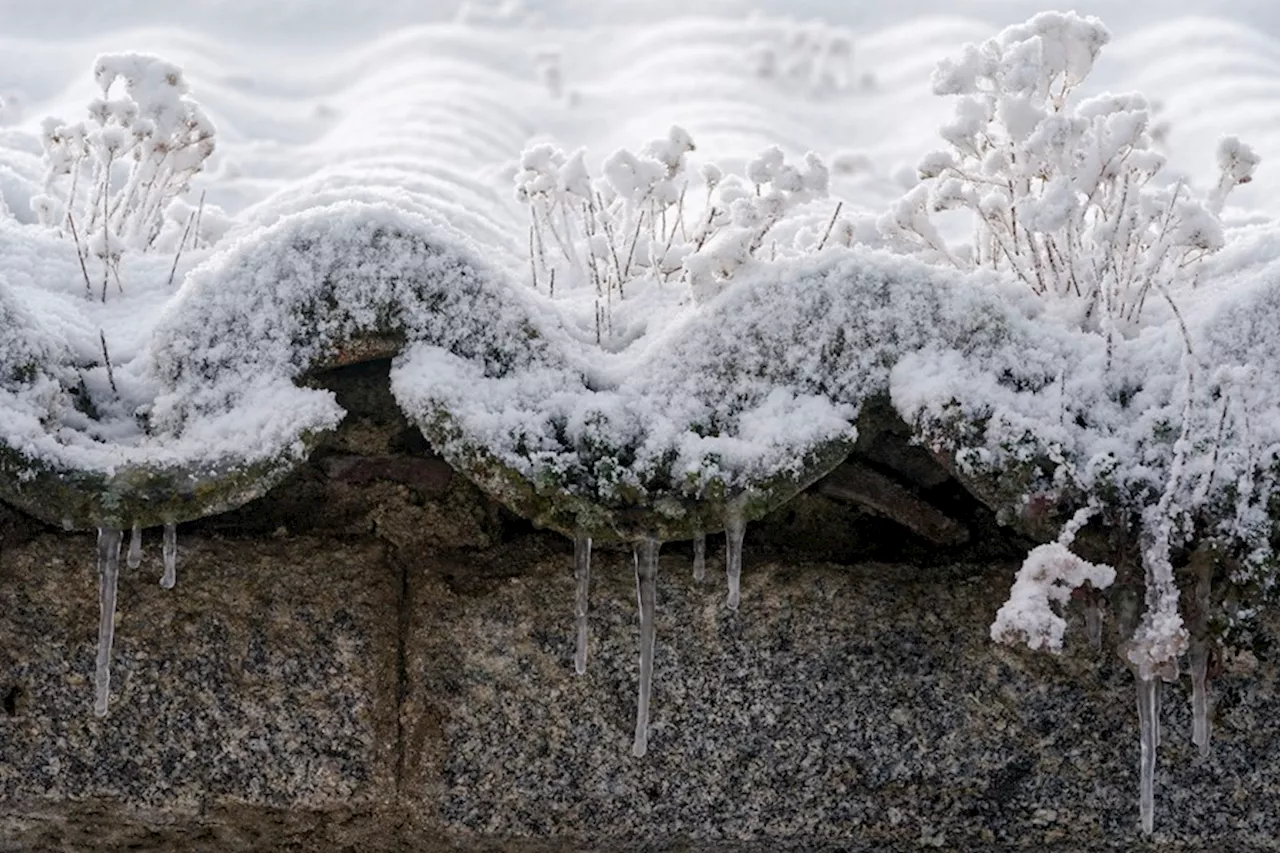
x,y
108,574
1093,624
170,556
581,571
1198,655
1155,714
135,547
735,527
1149,723
700,556
646,560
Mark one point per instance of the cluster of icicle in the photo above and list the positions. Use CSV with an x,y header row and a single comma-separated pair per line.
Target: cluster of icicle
x,y
645,558
1149,685
646,569
109,541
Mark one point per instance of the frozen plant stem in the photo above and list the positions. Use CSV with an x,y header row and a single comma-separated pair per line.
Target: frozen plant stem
x,y
177,256
700,556
106,359
170,556
135,547
108,574
1149,724
735,528
646,561
582,572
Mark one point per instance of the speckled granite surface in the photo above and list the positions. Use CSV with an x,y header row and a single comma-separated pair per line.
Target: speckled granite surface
x,y
376,658
843,707
266,679
840,704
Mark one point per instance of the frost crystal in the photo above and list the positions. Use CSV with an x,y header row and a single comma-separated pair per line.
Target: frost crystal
x,y
1047,577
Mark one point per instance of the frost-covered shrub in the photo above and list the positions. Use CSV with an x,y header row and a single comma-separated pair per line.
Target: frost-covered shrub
x,y
112,177
1067,194
605,233
1131,410
743,213
636,223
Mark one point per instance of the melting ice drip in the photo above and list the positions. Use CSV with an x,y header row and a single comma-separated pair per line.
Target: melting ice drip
x,y
646,561
582,572
1198,657
735,529
1149,689
135,547
1149,725
1093,623
109,542
170,551
700,557
108,574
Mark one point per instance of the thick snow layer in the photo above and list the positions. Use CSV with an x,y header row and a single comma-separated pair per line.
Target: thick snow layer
x,y
345,180
346,177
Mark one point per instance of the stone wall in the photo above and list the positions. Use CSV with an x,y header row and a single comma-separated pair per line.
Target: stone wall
x,y
377,658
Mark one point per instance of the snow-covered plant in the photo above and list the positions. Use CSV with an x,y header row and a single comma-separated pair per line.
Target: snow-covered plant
x,y
1066,194
1048,576
604,233
1136,418
111,178
813,55
633,223
743,213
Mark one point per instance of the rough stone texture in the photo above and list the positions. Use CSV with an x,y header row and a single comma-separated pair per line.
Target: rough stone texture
x,y
843,707
376,657
266,679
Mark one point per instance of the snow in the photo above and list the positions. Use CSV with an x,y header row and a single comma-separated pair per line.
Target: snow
x,y
423,132
666,250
